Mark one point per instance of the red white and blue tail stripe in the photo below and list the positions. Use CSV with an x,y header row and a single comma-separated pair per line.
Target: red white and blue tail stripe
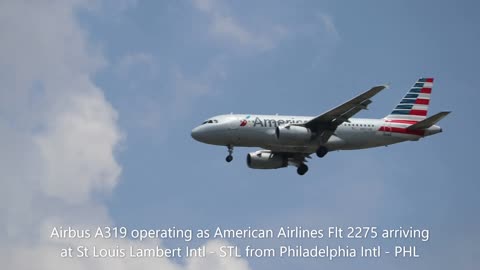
x,y
414,105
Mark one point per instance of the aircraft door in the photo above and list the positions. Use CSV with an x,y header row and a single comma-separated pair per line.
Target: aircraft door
x,y
233,129
233,123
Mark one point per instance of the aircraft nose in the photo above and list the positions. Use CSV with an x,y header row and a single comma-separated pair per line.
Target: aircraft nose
x,y
197,134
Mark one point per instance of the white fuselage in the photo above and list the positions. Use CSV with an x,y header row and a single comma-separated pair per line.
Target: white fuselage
x,y
259,131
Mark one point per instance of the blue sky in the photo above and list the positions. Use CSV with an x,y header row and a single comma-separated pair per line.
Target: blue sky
x,y
327,53
165,66
311,67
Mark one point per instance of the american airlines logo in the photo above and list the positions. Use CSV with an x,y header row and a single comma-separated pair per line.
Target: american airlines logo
x,y
244,121
270,122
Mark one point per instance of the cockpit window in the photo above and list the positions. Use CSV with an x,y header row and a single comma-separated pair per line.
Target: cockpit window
x,y
210,122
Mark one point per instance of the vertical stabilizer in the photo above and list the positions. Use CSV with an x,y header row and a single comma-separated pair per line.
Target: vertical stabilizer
x,y
414,105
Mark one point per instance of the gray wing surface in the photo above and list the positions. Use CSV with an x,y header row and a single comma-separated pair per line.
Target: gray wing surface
x,y
343,112
325,124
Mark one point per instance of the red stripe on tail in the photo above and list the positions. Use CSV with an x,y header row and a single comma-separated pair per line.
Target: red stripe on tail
x,y
418,112
426,90
422,101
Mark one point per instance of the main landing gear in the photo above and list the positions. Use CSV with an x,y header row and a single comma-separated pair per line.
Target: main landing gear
x,y
229,158
321,151
302,169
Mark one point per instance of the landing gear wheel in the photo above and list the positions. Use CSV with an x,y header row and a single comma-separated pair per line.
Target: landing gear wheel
x,y
229,158
322,151
302,169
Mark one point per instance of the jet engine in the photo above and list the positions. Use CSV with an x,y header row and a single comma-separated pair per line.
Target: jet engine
x,y
263,159
293,134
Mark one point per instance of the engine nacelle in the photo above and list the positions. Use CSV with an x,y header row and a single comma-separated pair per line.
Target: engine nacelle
x,y
293,134
266,160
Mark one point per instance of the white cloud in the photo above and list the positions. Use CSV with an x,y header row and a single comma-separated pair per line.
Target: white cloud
x,y
225,26
215,262
187,88
329,25
61,132
205,5
77,145
59,136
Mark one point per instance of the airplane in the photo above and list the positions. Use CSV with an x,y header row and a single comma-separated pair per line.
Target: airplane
x,y
291,140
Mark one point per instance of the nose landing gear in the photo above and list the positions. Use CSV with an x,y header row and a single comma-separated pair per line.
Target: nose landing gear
x,y
229,158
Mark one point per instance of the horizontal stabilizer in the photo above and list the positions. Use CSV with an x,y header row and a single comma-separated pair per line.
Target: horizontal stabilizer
x,y
430,121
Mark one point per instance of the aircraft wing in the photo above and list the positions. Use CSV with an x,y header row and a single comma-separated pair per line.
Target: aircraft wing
x,y
331,119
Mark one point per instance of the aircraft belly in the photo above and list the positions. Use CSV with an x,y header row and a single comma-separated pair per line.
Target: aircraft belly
x,y
355,138
342,140
265,138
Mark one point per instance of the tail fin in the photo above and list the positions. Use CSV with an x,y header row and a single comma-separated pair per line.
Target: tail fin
x,y
414,105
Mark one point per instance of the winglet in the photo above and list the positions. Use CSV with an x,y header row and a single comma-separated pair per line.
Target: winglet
x,y
430,121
